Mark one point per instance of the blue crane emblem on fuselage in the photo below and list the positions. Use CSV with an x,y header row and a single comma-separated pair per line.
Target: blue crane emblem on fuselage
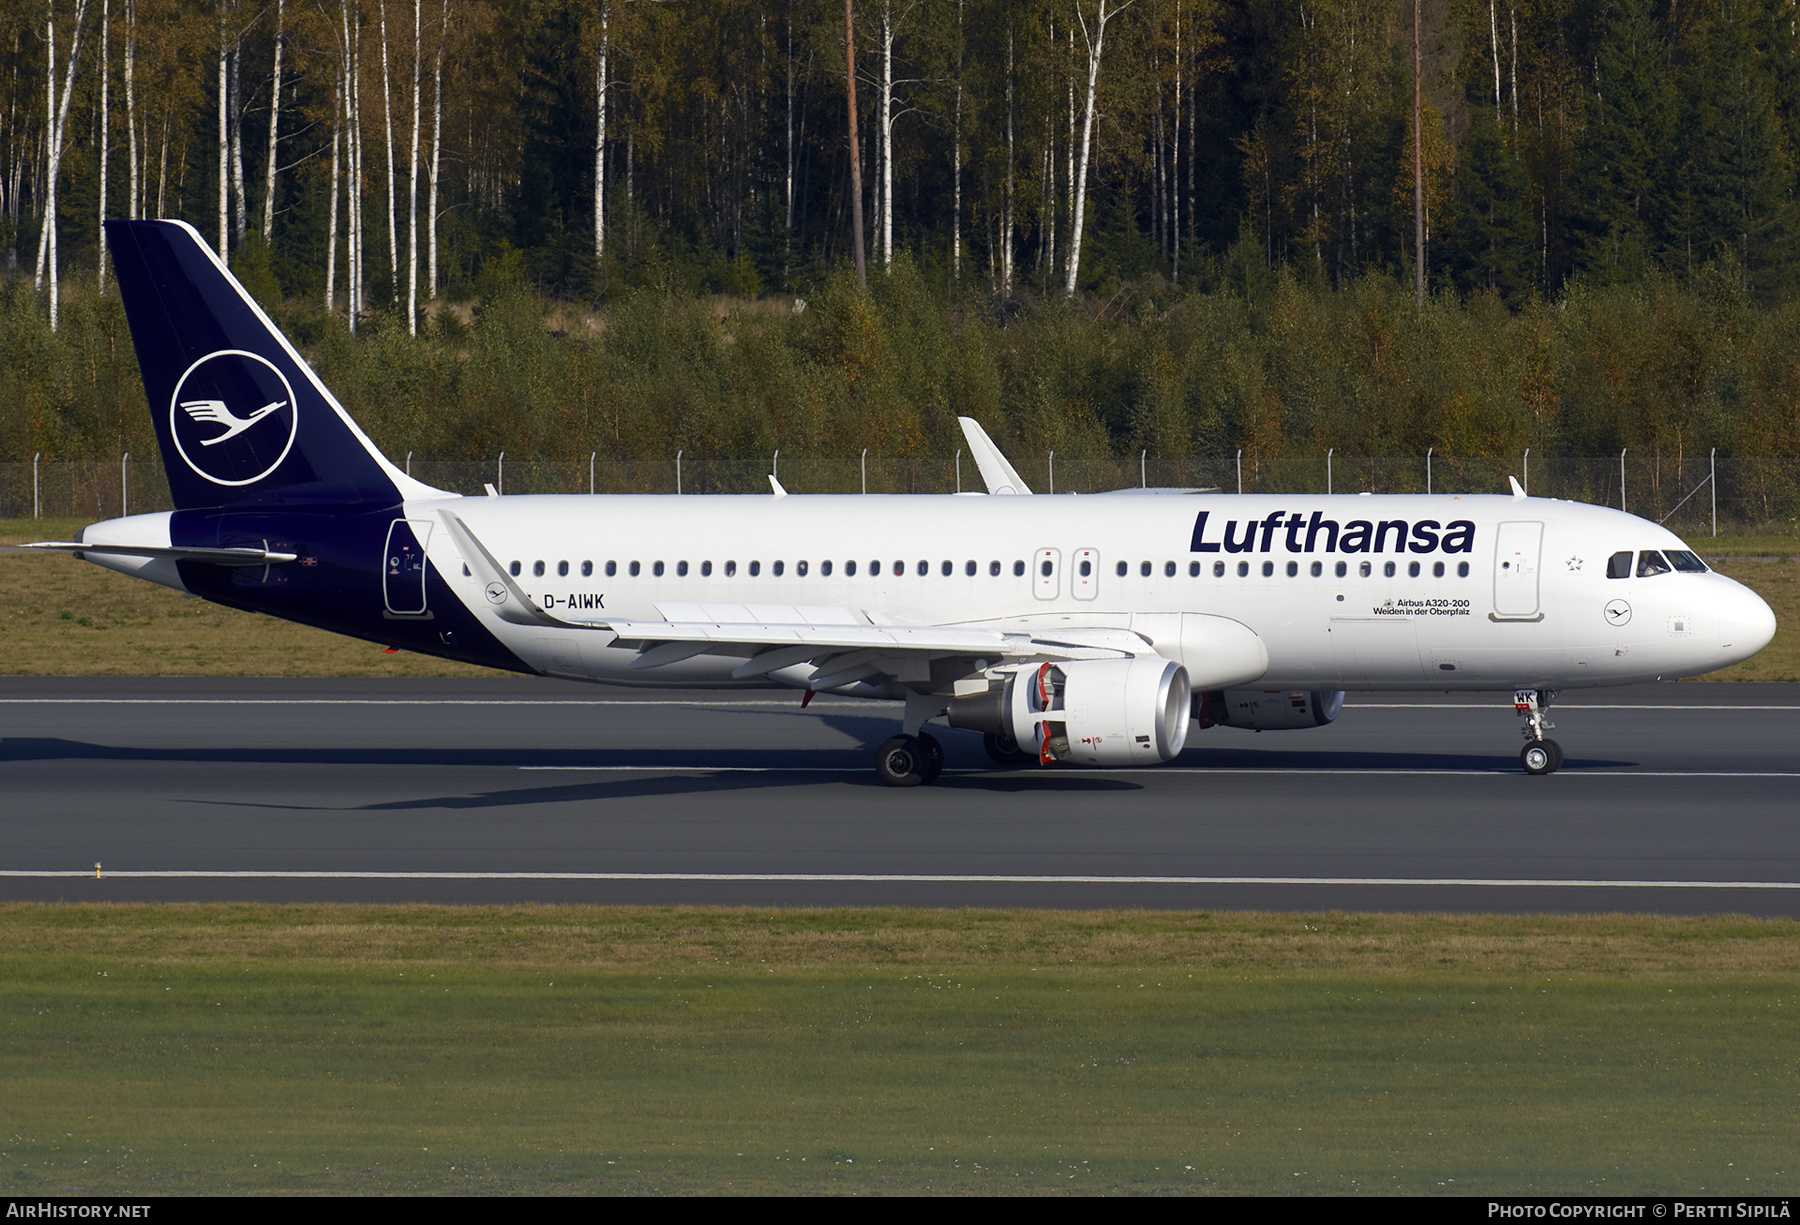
x,y
232,417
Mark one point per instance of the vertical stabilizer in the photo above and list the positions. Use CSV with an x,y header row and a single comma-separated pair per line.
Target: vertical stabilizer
x,y
241,418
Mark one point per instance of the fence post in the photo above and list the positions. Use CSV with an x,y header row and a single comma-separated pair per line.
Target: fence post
x,y
1622,451
865,470
1428,451
1328,451
1143,478
34,485
1712,478
500,475
775,466
591,455
124,492
409,463
1527,485
678,455
959,469
1240,469
1053,470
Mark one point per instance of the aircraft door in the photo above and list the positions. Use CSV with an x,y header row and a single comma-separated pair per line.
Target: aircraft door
x,y
1045,579
1084,584
1516,556
403,567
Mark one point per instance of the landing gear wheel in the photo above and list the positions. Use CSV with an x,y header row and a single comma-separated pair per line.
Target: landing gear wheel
x,y
1005,750
901,761
934,757
1541,757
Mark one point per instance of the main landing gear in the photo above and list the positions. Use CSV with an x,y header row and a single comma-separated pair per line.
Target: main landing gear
x,y
1539,756
907,761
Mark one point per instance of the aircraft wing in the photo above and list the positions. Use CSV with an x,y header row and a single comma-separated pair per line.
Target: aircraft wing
x,y
844,645
217,557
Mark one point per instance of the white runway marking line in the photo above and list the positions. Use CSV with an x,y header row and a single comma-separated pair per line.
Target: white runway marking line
x,y
915,878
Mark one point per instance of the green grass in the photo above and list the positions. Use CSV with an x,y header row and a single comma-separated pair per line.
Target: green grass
x,y
60,617
252,1049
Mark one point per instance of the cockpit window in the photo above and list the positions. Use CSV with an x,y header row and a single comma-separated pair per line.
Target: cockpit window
x,y
1685,561
1650,562
1619,565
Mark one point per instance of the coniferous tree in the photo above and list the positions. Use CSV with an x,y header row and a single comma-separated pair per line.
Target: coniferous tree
x,y
1626,179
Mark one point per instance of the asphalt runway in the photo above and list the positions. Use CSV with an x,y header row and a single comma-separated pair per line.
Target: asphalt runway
x,y
1674,799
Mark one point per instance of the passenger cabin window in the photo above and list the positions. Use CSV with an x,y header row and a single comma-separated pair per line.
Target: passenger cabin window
x,y
1388,570
730,569
779,568
850,568
515,568
1018,569
1268,569
1193,569
1412,569
949,568
657,569
1123,569
562,569
1619,565
755,568
587,569
969,569
705,569
1218,569
612,568
1651,563
635,568
1144,569
994,569
1462,569
681,569
825,569
537,568
1293,569
800,568
1243,569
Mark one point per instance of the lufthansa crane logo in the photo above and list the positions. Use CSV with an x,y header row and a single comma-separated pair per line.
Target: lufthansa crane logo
x,y
232,417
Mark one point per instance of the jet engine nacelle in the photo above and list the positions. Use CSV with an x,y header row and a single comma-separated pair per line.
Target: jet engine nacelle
x,y
1096,712
1268,710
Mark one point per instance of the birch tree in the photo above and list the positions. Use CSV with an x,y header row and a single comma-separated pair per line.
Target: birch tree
x,y
55,137
1095,37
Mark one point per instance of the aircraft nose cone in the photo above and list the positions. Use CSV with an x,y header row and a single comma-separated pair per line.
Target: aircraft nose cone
x,y
1746,622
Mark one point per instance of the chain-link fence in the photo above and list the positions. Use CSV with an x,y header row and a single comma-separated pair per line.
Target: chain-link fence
x,y
1745,495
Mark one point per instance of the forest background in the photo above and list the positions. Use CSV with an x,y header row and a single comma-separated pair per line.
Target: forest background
x,y
564,228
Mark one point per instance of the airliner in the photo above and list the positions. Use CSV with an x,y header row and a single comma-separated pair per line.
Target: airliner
x,y
1098,630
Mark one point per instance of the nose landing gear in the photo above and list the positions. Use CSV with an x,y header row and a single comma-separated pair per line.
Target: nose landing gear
x,y
1539,756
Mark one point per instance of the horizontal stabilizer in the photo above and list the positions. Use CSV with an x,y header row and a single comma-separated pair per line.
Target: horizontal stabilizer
x,y
213,557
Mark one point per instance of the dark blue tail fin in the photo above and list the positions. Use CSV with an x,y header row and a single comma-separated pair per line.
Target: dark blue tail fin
x,y
241,417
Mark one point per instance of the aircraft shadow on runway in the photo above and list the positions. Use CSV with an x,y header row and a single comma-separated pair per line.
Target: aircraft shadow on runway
x,y
754,768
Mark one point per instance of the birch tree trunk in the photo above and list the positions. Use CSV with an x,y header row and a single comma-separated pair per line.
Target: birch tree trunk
x,y
412,206
105,125
238,191
224,247
956,155
56,122
437,148
887,135
337,132
600,83
1096,41
134,203
1006,220
268,224
387,123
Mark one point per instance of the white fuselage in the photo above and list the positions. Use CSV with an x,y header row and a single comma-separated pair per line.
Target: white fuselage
x,y
1517,596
